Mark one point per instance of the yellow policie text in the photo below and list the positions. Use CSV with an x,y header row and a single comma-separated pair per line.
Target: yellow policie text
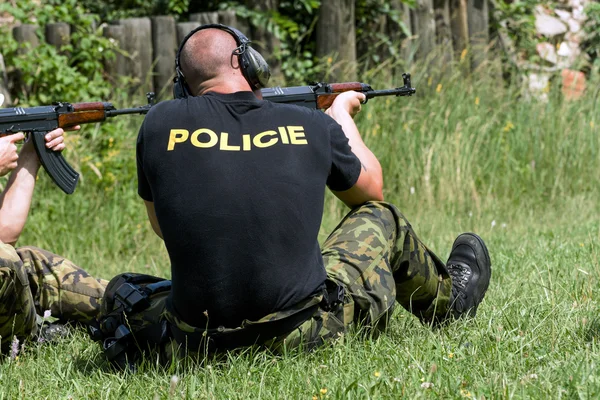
x,y
204,138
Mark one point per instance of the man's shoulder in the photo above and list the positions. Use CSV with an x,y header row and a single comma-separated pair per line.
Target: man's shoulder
x,y
306,112
164,107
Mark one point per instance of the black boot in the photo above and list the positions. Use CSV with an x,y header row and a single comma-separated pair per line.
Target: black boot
x,y
470,267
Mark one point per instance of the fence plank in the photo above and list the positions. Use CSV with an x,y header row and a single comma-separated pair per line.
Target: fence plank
x,y
336,38
443,33
164,44
183,28
26,34
228,17
58,34
205,18
406,51
266,43
459,25
423,25
478,20
4,84
116,67
138,32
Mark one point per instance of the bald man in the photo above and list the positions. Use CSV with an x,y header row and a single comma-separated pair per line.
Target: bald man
x,y
35,282
235,186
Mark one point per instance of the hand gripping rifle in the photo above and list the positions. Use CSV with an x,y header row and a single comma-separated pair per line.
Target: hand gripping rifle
x,y
321,95
35,122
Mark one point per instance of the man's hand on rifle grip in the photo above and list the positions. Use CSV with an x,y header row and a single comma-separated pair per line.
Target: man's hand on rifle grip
x,y
350,102
8,152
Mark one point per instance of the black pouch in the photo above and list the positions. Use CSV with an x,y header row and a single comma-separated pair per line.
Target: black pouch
x,y
130,320
333,296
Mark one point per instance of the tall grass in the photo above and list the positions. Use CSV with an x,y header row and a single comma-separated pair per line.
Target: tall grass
x,y
469,152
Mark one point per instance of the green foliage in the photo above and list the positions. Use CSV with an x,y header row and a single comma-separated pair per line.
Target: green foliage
x,y
75,71
519,21
111,10
379,28
591,43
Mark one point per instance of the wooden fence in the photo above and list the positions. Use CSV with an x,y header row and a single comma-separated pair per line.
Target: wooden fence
x,y
150,44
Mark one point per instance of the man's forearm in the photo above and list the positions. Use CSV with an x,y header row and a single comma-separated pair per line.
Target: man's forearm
x,y
368,160
15,200
371,168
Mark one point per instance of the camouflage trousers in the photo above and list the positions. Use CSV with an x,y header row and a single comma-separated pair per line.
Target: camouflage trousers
x,y
33,281
375,255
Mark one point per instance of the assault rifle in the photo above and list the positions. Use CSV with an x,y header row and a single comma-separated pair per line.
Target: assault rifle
x,y
321,95
35,122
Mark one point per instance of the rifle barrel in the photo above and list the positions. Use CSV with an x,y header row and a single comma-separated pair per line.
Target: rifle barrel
x,y
401,91
123,111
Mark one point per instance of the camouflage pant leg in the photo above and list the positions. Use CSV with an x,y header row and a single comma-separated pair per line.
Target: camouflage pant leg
x,y
32,281
377,256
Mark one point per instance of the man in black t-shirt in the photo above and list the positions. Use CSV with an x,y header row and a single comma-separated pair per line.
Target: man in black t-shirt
x,y
235,187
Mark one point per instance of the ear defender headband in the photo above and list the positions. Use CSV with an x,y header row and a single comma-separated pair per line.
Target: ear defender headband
x,y
254,67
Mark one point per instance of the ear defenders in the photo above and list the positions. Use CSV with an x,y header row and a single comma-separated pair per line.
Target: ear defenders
x,y
253,66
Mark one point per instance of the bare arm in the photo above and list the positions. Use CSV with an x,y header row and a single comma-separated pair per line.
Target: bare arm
x,y
152,217
15,200
369,185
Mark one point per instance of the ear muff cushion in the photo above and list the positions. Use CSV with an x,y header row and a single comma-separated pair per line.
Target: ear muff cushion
x,y
256,70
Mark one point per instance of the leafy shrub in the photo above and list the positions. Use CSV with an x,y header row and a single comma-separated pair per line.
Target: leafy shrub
x,y
591,44
110,10
54,75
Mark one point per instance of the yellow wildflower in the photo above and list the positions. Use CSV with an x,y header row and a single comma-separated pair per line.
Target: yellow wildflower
x,y
547,88
477,101
450,355
508,127
323,391
377,374
438,88
463,54
376,129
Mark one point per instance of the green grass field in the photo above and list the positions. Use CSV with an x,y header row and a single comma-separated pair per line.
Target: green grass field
x,y
465,154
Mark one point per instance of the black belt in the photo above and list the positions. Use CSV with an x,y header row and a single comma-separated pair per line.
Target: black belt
x,y
248,334
251,333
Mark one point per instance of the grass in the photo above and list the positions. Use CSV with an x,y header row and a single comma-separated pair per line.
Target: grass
x,y
468,153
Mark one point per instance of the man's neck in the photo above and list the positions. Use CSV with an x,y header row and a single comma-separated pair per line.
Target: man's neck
x,y
225,87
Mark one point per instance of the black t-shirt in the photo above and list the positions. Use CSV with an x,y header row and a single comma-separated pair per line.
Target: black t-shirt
x,y
238,186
